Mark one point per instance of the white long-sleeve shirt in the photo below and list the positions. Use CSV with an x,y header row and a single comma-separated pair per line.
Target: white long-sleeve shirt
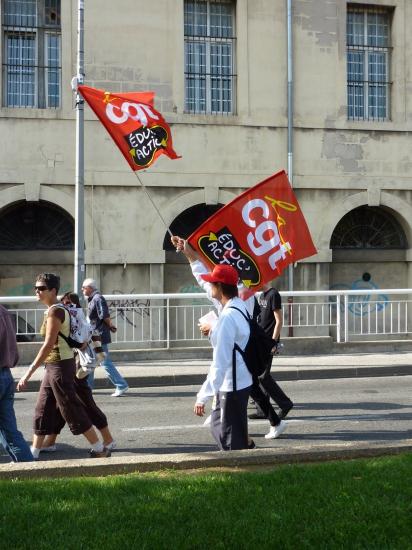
x,y
231,328
210,386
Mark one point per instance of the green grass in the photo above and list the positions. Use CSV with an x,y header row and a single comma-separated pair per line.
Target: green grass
x,y
353,504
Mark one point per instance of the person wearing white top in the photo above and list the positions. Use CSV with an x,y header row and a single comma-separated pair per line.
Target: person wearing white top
x,y
228,381
229,386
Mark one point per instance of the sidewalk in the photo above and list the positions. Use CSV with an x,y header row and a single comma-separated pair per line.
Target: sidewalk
x,y
179,372
298,449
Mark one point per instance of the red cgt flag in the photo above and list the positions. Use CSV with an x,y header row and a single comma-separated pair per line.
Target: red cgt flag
x,y
140,132
259,233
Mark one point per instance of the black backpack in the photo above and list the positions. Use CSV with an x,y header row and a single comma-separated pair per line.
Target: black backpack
x,y
258,351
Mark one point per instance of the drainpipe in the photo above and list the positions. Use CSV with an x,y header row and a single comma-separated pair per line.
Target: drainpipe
x,y
290,139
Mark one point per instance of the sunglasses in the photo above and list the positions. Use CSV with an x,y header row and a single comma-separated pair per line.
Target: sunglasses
x,y
40,288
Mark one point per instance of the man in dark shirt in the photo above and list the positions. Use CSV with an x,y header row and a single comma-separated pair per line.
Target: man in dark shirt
x,y
270,319
10,437
99,318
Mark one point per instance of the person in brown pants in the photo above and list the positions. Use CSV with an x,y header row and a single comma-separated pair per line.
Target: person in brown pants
x,y
57,387
85,394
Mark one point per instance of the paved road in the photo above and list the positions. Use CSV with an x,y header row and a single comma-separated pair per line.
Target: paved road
x,y
327,412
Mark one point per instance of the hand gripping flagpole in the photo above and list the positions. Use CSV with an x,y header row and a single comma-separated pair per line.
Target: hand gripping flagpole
x,y
154,205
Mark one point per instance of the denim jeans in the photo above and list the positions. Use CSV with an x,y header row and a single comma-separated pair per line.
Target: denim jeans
x,y
10,437
112,373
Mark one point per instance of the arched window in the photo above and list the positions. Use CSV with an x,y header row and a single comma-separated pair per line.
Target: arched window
x,y
188,221
35,226
368,227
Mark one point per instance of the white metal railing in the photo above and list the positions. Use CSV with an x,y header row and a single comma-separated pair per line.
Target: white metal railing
x,y
164,319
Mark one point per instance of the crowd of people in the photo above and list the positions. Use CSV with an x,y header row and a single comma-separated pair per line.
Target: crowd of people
x,y
66,397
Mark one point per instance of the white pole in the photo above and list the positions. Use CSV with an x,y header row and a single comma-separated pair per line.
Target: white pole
x,y
290,112
79,268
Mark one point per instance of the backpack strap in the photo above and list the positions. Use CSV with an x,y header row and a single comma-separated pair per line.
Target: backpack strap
x,y
248,319
65,338
240,311
236,348
234,368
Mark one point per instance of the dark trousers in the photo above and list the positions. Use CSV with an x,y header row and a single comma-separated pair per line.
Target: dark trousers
x,y
229,420
96,415
57,390
263,404
264,389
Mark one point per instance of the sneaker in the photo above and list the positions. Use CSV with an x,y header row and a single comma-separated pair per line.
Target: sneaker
x,y
49,449
34,452
120,391
256,416
284,412
276,431
111,446
103,454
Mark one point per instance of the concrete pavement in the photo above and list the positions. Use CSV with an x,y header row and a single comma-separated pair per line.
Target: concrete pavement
x,y
169,372
179,372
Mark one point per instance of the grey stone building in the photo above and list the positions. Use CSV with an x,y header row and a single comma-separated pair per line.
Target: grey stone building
x,y
219,70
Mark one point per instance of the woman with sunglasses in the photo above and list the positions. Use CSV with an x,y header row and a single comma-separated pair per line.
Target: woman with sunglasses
x,y
57,388
84,392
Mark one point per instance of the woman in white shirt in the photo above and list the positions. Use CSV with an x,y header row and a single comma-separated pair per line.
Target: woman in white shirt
x,y
229,385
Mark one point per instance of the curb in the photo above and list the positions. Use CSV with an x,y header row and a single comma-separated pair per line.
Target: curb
x,y
280,374
192,461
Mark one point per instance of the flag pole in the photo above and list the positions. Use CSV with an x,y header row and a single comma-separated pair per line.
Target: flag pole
x,y
79,268
154,205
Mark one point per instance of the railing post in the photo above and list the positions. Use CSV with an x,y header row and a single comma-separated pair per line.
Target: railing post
x,y
346,316
338,321
290,315
167,323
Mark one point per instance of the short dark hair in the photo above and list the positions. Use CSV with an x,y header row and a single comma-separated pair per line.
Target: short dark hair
x,y
51,280
229,291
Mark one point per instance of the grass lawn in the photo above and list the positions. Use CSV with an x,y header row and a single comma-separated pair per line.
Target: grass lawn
x,y
352,504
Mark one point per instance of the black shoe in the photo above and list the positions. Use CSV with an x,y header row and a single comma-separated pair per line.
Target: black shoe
x,y
284,412
251,445
103,454
256,416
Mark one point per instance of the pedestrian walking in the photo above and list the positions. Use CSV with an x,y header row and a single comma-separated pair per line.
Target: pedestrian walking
x,y
57,387
270,319
83,391
99,317
229,380
10,436
225,401
258,392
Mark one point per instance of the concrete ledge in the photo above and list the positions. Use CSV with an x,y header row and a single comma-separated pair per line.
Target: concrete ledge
x,y
189,461
279,372
296,346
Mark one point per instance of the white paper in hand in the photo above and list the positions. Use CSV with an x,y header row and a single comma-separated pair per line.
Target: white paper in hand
x,y
210,318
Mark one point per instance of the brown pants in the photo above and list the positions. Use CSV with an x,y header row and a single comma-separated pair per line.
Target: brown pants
x,y
58,392
96,415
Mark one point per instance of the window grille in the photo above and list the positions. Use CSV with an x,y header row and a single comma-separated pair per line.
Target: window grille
x,y
36,226
210,78
368,227
368,62
31,53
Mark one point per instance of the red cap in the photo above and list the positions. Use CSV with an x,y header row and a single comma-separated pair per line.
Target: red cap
x,y
225,274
